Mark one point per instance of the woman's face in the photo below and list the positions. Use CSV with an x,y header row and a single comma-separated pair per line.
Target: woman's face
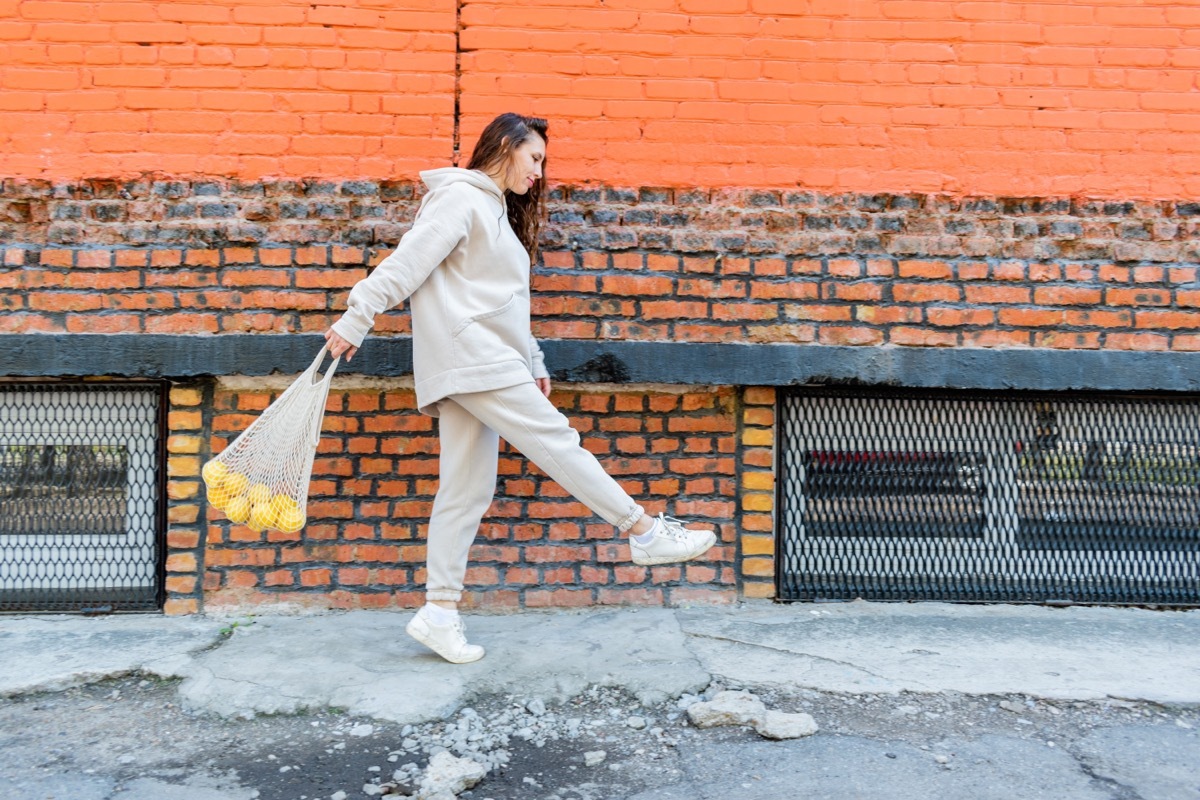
x,y
525,165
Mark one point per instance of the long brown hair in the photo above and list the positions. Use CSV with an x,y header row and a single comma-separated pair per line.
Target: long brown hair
x,y
495,147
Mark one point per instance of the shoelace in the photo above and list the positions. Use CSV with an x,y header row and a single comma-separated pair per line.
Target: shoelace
x,y
674,528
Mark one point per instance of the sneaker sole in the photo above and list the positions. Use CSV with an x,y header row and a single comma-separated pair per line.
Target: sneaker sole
x,y
650,562
420,637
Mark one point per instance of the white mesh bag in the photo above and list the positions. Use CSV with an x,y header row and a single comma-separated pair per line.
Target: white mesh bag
x,y
261,478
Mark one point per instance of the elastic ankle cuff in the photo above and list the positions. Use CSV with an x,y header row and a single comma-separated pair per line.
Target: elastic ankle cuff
x,y
443,594
631,519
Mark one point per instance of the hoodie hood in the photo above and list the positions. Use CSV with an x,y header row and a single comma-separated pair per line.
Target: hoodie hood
x,y
438,178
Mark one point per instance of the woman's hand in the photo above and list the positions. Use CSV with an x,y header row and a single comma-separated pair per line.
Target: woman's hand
x,y
339,346
543,385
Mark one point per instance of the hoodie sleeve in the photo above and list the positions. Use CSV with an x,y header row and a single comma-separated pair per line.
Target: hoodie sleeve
x,y
441,224
538,359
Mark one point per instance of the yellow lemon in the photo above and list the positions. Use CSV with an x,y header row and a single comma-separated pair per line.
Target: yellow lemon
x,y
214,473
235,483
238,510
281,503
218,497
261,516
290,521
260,494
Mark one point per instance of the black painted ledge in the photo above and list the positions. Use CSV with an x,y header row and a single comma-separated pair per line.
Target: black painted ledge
x,y
579,361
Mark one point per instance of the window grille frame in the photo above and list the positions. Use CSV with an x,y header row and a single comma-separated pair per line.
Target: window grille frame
x,y
104,599
1181,588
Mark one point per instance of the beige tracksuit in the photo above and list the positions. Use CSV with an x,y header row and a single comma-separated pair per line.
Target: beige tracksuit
x,y
474,363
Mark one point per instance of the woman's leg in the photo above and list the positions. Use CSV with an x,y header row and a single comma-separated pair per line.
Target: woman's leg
x,y
529,422
466,486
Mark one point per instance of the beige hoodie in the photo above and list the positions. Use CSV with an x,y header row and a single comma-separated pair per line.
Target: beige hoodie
x,y
468,276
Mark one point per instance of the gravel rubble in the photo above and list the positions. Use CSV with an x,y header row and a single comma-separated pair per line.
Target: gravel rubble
x,y
600,745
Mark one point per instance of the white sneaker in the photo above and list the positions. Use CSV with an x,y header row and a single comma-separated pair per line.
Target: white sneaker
x,y
448,641
672,542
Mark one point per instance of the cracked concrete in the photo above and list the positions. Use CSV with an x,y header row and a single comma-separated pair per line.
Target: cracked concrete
x,y
364,663
1066,654
989,768
907,696
51,653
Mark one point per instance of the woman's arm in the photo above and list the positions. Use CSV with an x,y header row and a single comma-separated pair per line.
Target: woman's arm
x,y
338,345
540,374
439,227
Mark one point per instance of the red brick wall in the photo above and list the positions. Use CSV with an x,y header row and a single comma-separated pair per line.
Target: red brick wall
x,y
373,485
633,264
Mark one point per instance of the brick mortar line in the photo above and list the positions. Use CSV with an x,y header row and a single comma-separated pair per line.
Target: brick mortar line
x,y
35,256
208,389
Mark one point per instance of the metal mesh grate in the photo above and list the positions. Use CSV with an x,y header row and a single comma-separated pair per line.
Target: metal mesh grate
x,y
80,497
896,495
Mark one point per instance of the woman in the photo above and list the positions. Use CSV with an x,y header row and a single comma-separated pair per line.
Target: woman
x,y
465,265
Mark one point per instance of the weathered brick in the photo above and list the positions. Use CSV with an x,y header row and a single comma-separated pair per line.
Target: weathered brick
x,y
637,597
181,562
178,606
1066,295
758,591
925,293
837,335
543,598
758,567
921,337
1136,297
1136,341
1030,317
995,338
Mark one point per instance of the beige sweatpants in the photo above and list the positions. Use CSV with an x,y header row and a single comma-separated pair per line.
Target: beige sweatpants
x,y
470,426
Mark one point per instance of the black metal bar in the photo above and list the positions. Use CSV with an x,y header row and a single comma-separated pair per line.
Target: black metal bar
x,y
160,535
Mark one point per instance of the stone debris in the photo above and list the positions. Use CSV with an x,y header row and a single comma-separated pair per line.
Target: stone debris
x,y
484,739
727,708
1009,705
448,775
744,708
781,725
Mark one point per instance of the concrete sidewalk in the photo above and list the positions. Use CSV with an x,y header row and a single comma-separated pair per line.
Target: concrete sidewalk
x,y
364,663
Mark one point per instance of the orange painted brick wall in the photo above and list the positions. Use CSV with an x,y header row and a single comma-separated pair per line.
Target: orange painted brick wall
x,y
1034,97
1095,97
225,87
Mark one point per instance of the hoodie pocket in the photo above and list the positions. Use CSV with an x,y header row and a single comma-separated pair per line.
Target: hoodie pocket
x,y
469,321
489,338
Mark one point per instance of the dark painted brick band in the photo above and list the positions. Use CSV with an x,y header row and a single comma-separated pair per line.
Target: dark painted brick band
x,y
579,361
